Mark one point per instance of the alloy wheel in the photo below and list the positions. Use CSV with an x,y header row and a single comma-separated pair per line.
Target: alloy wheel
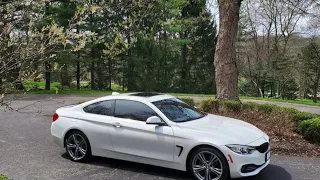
x,y
76,146
207,166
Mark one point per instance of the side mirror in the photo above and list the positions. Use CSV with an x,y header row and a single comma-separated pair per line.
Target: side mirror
x,y
155,120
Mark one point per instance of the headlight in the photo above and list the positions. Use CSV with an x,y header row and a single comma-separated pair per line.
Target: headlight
x,y
240,149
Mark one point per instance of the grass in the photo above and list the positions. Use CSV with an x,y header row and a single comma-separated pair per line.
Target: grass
x,y
296,101
3,177
40,85
82,91
56,89
93,92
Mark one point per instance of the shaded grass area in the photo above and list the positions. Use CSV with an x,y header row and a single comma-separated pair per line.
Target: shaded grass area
x,y
40,85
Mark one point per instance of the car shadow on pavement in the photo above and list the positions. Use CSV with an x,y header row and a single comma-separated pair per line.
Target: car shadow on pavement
x,y
272,172
137,168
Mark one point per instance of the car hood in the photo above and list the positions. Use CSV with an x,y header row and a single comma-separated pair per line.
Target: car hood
x,y
233,130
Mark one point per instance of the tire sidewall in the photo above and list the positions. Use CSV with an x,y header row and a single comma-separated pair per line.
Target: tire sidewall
x,y
88,154
225,173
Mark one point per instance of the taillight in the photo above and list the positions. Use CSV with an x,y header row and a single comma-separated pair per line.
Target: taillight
x,y
55,117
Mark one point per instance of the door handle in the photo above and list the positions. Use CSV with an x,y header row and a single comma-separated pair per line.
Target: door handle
x,y
117,125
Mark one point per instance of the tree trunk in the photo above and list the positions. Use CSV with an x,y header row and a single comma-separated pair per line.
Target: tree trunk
x,y
110,74
130,71
92,76
315,89
315,93
225,55
47,74
92,69
47,63
78,70
183,69
1,86
78,75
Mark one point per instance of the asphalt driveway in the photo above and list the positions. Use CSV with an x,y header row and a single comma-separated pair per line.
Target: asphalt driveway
x,y
27,151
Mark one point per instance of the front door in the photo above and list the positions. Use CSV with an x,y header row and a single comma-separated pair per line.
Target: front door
x,y
131,135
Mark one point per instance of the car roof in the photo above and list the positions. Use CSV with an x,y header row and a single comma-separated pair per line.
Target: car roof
x,y
147,96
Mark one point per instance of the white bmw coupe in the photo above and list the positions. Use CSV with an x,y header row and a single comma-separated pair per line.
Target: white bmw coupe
x,y
161,130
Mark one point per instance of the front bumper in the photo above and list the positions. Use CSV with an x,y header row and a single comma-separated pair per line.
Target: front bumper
x,y
238,161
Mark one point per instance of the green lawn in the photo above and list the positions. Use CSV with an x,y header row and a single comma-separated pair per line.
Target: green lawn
x,y
82,91
297,101
40,85
56,89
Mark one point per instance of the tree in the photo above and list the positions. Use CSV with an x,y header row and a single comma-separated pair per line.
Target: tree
x,y
310,66
225,56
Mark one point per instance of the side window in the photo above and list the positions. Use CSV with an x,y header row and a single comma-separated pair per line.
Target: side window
x,y
102,108
133,110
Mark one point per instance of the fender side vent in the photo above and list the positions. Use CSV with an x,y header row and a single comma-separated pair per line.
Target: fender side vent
x,y
181,149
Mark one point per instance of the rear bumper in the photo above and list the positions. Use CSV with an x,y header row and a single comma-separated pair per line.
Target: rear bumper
x,y
58,141
57,134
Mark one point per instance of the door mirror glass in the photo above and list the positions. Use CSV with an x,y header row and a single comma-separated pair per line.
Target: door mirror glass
x,y
155,120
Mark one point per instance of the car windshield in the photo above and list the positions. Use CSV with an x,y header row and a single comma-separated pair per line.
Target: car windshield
x,y
178,111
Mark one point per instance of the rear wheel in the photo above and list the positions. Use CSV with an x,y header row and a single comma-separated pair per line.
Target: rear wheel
x,y
208,164
78,146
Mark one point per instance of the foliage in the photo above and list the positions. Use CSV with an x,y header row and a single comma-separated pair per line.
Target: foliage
x,y
310,129
234,106
309,67
188,100
301,116
32,85
249,105
165,46
3,177
266,107
209,105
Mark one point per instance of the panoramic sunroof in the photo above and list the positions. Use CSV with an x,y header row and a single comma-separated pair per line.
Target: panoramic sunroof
x,y
145,94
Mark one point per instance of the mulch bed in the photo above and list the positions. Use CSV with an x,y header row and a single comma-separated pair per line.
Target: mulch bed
x,y
284,139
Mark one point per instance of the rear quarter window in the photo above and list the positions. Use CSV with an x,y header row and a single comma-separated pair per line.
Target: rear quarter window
x,y
101,108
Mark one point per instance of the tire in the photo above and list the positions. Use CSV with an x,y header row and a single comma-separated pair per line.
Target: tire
x,y
217,169
78,146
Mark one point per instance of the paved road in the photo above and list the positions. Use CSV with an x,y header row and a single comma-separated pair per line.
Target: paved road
x,y
301,107
27,152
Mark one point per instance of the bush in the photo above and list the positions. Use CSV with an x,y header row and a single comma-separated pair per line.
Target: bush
x,y
188,100
301,116
209,105
249,105
3,177
290,111
266,107
310,129
233,106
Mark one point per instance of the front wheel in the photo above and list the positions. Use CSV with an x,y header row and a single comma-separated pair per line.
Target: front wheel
x,y
208,164
78,146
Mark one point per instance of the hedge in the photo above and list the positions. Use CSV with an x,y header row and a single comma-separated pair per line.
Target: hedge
x,y
188,100
310,129
301,116
209,105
